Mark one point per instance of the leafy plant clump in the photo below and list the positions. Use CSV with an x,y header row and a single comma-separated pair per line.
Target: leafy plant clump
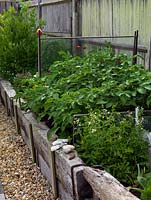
x,y
114,142
18,52
143,184
78,83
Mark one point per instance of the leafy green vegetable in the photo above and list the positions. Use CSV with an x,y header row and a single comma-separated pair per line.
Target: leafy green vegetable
x,y
78,83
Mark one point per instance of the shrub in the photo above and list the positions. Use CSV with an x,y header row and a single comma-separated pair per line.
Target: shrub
x,y
18,52
114,142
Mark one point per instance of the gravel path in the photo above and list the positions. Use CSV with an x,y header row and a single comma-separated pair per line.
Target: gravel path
x,y
21,179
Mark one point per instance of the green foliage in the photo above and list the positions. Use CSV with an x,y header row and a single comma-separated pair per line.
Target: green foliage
x,y
51,51
114,142
18,52
144,181
78,83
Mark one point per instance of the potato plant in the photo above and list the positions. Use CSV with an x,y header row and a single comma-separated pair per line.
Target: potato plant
x,y
99,80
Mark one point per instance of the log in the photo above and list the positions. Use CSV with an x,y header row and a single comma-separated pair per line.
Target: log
x,y
105,186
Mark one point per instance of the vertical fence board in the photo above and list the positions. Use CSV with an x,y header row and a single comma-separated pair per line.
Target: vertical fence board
x,y
57,17
4,5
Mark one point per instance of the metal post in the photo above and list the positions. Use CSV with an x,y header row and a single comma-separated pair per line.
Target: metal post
x,y
39,55
135,50
150,56
39,39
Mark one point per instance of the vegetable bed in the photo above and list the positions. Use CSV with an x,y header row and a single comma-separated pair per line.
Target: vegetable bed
x,y
99,85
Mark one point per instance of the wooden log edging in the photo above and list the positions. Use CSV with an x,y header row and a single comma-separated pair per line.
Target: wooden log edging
x,y
42,147
106,186
68,176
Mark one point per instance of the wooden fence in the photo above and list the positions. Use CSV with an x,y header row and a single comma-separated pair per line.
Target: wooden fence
x,y
97,18
4,5
100,18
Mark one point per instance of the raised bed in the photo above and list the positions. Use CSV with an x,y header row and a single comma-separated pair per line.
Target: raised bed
x,y
68,177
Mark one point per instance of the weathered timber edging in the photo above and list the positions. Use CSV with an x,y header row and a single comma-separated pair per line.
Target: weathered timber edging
x,y
63,166
2,196
67,177
106,186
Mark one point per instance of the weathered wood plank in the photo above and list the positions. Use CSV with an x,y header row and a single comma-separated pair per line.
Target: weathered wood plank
x,y
57,17
105,186
114,17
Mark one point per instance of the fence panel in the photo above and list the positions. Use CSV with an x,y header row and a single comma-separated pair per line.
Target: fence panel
x,y
100,18
4,5
57,17
114,17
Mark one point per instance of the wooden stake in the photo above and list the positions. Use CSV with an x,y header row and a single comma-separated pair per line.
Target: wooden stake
x,y
12,107
33,153
16,119
53,173
6,103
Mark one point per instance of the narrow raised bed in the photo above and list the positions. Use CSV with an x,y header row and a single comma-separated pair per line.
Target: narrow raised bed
x,y
65,175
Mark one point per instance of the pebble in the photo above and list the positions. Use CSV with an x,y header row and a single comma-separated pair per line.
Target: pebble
x,y
71,155
60,142
56,147
21,179
68,148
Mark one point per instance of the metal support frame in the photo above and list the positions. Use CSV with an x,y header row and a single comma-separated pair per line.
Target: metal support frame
x,y
39,55
135,50
39,39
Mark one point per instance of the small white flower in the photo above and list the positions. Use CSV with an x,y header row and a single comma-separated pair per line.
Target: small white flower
x,y
93,130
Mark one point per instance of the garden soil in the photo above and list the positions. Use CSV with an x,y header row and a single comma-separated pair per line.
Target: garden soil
x,y
20,178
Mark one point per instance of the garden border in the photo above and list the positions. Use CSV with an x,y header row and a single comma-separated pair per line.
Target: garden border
x,y
42,147
65,175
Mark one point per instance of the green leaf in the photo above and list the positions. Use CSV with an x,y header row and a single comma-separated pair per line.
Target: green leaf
x,y
119,93
100,101
51,132
147,87
141,90
110,104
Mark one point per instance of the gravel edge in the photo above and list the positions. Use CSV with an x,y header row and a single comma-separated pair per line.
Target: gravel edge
x,y
37,182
